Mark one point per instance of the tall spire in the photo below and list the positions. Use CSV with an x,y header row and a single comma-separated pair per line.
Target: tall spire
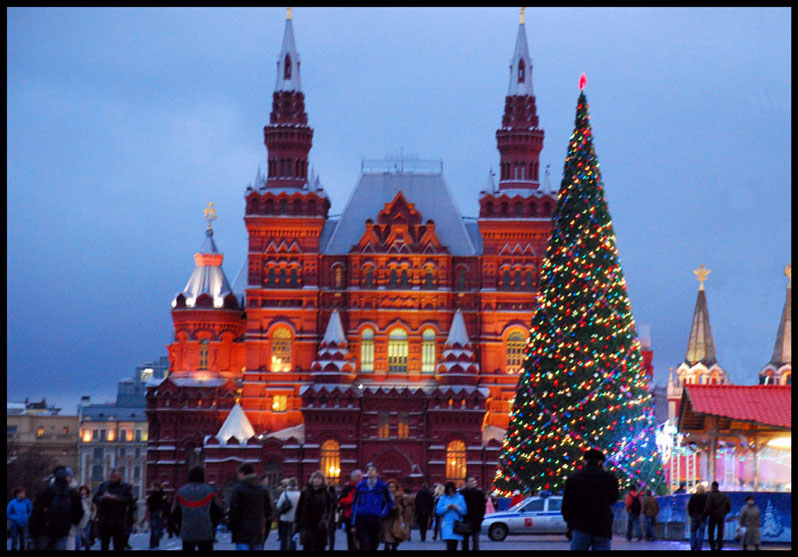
x,y
782,351
701,346
520,140
288,60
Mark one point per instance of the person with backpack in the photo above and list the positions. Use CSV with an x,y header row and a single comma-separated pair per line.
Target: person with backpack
x,y
56,510
718,506
18,514
196,508
345,502
634,505
286,508
250,515
113,500
371,505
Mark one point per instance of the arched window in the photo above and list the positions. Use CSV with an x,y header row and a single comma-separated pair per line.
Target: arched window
x,y
272,278
392,280
405,283
281,350
287,68
203,358
456,462
428,351
281,284
383,425
397,351
523,170
339,277
515,351
786,379
518,208
506,280
429,282
369,277
518,280
461,282
331,461
521,71
294,281
367,350
283,205
404,425
529,284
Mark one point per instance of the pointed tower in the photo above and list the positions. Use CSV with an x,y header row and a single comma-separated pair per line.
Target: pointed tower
x,y
236,426
458,365
334,363
779,370
700,364
207,317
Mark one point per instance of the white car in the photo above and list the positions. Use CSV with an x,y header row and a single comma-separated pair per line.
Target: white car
x,y
534,515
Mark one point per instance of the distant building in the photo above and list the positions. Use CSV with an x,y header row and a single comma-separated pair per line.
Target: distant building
x,y
114,435
34,425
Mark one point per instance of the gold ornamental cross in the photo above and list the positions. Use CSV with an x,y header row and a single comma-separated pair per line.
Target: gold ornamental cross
x,y
788,274
701,273
210,214
522,15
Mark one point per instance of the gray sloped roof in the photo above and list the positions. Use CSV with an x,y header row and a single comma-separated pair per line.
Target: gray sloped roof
x,y
428,193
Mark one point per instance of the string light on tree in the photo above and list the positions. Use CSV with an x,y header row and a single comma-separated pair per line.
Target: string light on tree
x,y
583,384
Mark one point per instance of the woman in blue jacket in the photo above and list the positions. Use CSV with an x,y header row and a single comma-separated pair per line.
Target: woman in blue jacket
x,y
18,515
451,507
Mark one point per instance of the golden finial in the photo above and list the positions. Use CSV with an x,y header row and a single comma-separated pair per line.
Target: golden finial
x,y
788,273
288,13
210,214
521,21
701,273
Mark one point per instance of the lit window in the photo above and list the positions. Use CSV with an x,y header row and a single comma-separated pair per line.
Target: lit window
x,y
367,350
331,461
146,374
404,425
428,351
203,359
397,351
383,425
65,431
86,435
280,403
281,350
40,432
456,462
339,277
515,352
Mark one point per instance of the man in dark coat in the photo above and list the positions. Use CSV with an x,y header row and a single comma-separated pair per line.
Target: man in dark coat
x,y
113,499
718,506
475,505
250,510
313,513
55,511
425,502
587,503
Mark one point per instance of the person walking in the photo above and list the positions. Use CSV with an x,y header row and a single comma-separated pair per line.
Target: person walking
x,y
313,513
195,505
437,494
718,506
396,527
113,503
451,507
273,495
131,519
751,520
634,506
156,509
696,508
55,511
345,502
372,504
250,510
18,514
80,532
332,523
587,503
169,518
475,501
425,501
650,512
286,507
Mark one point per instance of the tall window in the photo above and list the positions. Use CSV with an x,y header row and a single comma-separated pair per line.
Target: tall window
x,y
367,350
281,350
383,425
506,280
369,277
294,281
271,281
429,280
40,432
405,282
456,462
518,280
428,351
203,363
392,281
515,352
331,461
461,279
529,285
282,277
404,425
339,277
397,351
279,403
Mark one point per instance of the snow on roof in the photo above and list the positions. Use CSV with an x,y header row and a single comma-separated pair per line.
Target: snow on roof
x,y
236,425
297,432
458,334
335,330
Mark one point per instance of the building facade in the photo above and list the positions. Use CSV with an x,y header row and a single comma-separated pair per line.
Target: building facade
x,y
35,426
393,333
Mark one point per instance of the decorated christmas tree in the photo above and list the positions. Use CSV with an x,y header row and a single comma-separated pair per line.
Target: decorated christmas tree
x,y
583,384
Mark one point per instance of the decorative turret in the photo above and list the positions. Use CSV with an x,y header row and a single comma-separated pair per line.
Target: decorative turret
x,y
779,370
520,140
333,363
288,137
458,364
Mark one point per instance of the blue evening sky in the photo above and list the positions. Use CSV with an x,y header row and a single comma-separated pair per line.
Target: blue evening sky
x,y
124,123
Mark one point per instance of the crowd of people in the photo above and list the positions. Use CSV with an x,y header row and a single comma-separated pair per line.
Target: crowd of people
x,y
373,512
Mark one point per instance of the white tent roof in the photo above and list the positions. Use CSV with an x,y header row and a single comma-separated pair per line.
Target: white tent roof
x,y
236,425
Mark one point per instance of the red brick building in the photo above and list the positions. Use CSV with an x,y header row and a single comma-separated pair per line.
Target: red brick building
x,y
393,333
